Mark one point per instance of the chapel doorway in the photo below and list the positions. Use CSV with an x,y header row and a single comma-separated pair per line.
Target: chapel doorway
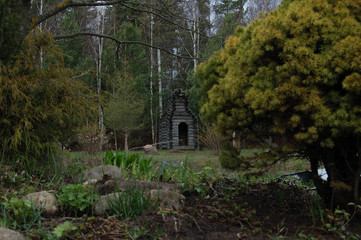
x,y
183,134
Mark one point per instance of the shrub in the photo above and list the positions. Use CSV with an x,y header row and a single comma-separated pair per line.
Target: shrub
x,y
77,197
229,157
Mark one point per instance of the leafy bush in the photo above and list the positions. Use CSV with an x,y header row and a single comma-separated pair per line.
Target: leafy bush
x,y
78,197
229,157
19,214
130,203
131,164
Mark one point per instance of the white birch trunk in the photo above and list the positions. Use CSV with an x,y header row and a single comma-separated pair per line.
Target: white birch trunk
x,y
195,35
160,82
41,29
151,75
101,14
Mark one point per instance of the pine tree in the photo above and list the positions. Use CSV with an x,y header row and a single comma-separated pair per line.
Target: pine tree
x,y
296,73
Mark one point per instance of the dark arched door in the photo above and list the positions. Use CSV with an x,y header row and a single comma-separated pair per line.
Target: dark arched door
x,y
183,134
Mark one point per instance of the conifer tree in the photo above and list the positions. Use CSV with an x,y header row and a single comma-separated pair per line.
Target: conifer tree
x,y
296,74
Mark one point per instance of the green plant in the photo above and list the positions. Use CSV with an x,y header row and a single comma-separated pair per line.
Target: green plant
x,y
230,157
129,203
316,210
77,197
62,230
339,220
20,214
136,232
131,164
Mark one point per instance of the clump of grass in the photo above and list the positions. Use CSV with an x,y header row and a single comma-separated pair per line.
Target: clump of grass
x,y
19,214
130,203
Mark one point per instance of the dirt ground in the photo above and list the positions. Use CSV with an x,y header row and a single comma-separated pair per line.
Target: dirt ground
x,y
275,210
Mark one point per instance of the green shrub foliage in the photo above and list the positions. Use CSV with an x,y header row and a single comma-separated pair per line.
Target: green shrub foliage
x,y
77,197
40,105
229,157
296,73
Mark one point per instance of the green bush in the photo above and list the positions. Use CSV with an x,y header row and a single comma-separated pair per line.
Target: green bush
x,y
77,197
229,157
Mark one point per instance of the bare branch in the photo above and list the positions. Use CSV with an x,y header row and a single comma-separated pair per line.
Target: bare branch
x,y
35,21
71,3
119,42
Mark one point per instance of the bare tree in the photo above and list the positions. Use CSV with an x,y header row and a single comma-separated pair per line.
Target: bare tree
x,y
255,7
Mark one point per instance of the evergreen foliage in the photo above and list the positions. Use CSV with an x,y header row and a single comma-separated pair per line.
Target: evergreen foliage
x,y
296,73
39,107
229,157
10,25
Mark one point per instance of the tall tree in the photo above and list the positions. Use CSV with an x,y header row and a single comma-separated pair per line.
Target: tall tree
x,y
126,109
39,107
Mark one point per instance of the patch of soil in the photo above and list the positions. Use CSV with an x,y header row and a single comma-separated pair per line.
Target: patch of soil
x,y
229,210
261,211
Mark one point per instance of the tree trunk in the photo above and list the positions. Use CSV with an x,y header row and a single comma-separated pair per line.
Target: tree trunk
x,y
101,14
160,83
126,141
115,141
41,29
151,76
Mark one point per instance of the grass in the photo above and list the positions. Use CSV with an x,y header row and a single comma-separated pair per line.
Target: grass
x,y
197,160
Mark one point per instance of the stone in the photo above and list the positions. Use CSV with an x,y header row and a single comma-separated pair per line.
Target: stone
x,y
98,172
101,206
90,182
8,234
44,200
167,199
121,185
150,149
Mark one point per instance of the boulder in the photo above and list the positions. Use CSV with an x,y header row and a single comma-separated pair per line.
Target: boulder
x,y
44,200
167,199
98,172
102,205
150,149
8,234
121,185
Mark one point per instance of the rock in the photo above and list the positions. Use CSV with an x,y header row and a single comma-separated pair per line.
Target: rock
x,y
98,172
121,185
91,182
150,149
167,199
8,234
102,205
44,200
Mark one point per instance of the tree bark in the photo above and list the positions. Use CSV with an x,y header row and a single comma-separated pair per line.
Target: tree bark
x,y
151,76
160,83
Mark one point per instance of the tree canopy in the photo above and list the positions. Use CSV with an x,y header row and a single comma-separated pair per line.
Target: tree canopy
x,y
39,106
296,73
